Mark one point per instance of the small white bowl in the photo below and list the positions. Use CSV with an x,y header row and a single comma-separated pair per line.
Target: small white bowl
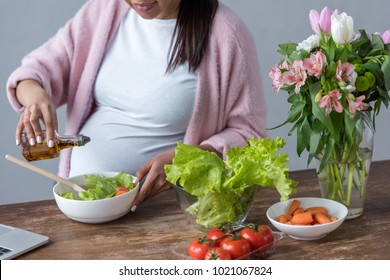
x,y
93,211
309,232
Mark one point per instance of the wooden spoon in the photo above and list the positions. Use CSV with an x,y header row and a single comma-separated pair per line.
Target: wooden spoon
x,y
45,173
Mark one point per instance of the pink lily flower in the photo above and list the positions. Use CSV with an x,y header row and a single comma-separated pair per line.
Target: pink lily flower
x,y
315,64
345,73
276,75
295,75
321,21
357,105
331,101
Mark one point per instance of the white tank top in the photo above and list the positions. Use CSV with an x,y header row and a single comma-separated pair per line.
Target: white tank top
x,y
141,111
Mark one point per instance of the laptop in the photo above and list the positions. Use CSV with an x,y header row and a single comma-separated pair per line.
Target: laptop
x,y
16,241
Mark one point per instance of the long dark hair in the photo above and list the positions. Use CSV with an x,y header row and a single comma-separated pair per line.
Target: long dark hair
x,y
192,32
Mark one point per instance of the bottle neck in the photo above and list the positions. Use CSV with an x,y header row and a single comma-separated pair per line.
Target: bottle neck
x,y
76,140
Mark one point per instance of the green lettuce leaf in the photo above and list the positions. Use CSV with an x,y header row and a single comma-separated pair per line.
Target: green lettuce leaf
x,y
220,184
100,186
197,171
258,164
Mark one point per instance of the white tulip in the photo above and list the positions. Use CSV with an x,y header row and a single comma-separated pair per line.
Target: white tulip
x,y
342,28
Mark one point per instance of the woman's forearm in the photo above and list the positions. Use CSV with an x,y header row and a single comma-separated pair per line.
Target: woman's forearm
x,y
29,92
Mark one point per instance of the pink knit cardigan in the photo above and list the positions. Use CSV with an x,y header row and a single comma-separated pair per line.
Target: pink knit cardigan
x,y
229,106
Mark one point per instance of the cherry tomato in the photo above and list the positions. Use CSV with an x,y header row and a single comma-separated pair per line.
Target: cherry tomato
x,y
236,246
198,248
258,236
216,234
217,253
120,190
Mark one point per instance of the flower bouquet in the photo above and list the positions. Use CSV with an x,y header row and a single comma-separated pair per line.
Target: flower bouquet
x,y
337,82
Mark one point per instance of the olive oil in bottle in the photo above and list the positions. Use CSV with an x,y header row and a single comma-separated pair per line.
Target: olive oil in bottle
x,y
41,151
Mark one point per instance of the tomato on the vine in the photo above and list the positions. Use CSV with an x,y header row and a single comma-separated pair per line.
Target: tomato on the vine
x,y
236,246
258,236
198,248
217,253
216,234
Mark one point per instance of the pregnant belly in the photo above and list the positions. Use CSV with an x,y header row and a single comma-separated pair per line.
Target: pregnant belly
x,y
119,145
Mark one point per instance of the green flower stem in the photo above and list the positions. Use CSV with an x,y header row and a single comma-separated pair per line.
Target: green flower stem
x,y
362,177
351,170
336,182
338,174
331,187
342,170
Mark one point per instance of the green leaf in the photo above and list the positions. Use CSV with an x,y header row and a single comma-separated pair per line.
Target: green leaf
x,y
317,111
377,107
386,71
287,48
377,42
294,114
298,55
328,48
375,53
196,170
303,136
363,42
315,139
341,54
337,121
375,69
330,71
350,126
365,47
384,96
327,154
387,47
306,130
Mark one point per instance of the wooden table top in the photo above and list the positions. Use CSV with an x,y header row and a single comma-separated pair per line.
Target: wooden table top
x,y
158,225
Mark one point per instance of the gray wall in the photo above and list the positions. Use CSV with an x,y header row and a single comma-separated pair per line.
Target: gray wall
x,y
25,24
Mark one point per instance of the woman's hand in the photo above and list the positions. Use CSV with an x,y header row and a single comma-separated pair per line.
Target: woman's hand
x,y
154,172
38,108
155,181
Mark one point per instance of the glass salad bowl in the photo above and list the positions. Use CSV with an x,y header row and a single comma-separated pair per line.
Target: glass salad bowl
x,y
200,211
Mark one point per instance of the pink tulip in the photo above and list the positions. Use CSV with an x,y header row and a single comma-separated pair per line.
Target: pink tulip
x,y
331,101
315,64
322,21
386,37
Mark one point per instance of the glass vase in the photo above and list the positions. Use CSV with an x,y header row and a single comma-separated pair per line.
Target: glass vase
x,y
344,176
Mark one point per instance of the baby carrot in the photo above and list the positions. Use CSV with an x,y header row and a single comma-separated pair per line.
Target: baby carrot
x,y
318,209
297,215
321,218
295,204
299,210
304,218
282,219
333,218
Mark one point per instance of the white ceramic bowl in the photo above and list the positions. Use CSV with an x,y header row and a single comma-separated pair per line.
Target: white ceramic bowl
x,y
93,211
308,232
